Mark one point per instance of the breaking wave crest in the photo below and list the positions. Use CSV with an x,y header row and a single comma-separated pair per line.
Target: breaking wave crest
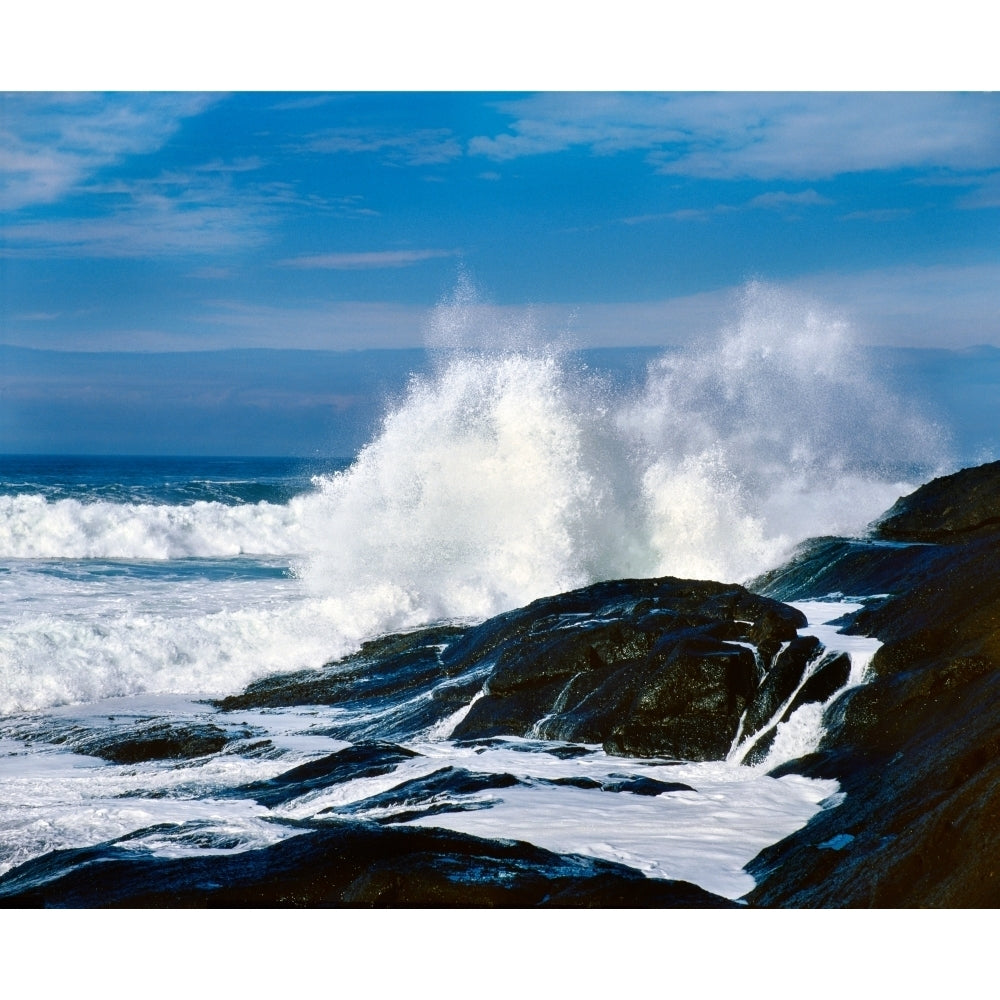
x,y
34,527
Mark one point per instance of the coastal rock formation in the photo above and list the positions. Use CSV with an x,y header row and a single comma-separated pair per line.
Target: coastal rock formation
x,y
660,667
127,739
664,667
667,668
948,510
345,864
917,748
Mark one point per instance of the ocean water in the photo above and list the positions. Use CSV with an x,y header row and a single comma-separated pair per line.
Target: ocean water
x,y
502,476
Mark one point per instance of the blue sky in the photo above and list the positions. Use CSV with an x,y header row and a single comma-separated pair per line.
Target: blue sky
x,y
170,235
160,221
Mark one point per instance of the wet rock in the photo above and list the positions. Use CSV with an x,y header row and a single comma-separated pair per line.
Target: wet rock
x,y
363,760
130,740
393,667
760,747
865,566
660,605
917,748
347,864
828,677
568,752
689,707
588,666
644,786
393,687
780,682
948,510
623,783
650,667
157,740
449,789
573,781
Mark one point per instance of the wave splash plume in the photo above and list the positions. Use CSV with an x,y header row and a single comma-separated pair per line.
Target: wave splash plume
x,y
510,474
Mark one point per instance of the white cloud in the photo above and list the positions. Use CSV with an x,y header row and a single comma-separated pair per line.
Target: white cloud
x,y
985,193
910,306
788,199
50,144
936,306
366,261
416,147
187,214
36,317
606,123
877,215
240,165
700,214
761,136
932,306
332,325
779,201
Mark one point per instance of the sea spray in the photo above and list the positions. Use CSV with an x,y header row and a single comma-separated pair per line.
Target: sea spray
x,y
475,497
509,474
772,430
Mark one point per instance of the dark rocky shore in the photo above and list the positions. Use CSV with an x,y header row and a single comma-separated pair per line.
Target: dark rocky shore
x,y
917,748
669,669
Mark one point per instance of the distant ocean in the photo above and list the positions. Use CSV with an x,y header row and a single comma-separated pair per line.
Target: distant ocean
x,y
500,477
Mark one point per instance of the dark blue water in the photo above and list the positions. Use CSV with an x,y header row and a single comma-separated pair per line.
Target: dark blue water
x,y
161,480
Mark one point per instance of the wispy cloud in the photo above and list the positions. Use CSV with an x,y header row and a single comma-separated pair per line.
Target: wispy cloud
x,y
778,201
985,193
336,324
877,215
306,102
175,213
983,188
36,317
917,306
212,273
605,123
759,136
366,261
417,147
701,214
239,165
285,193
788,199
50,144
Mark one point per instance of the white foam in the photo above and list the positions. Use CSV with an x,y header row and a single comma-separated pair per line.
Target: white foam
x,y
802,732
49,659
32,527
705,837
51,799
861,648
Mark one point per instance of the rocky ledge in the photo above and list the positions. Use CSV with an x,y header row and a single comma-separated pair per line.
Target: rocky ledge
x,y
682,669
917,748
354,864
